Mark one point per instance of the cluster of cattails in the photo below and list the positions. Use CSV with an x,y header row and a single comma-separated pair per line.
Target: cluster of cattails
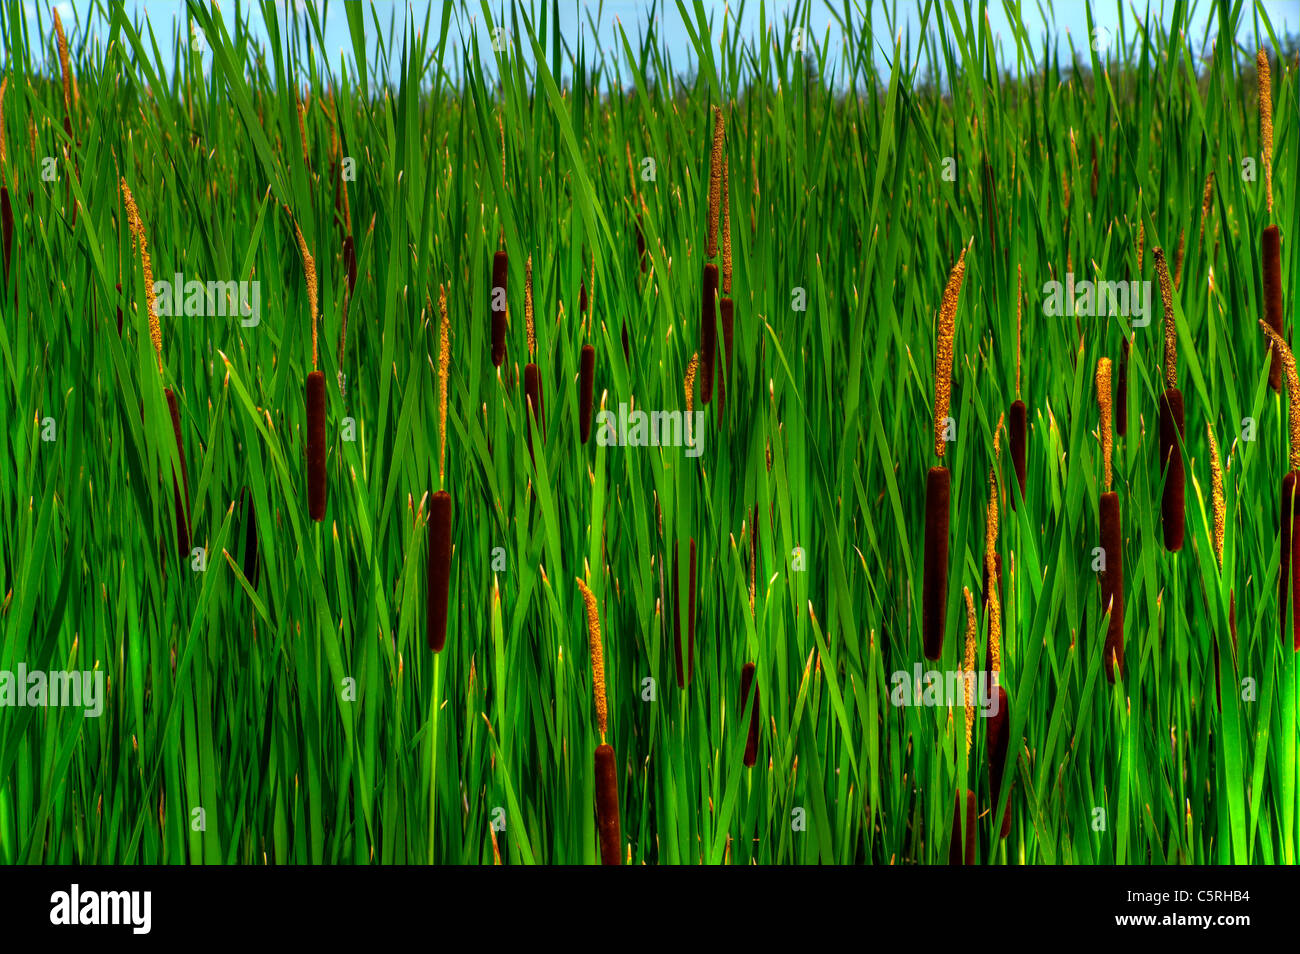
x,y
1171,420
607,819
1288,584
439,529
1112,573
938,485
315,387
180,482
709,299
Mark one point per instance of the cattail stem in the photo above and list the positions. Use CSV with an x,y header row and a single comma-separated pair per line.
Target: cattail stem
x,y
316,483
1271,247
586,390
708,332
498,304
1171,460
751,743
181,486
934,584
685,661
439,569
607,820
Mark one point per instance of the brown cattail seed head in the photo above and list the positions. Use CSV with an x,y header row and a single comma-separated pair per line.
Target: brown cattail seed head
x,y
1171,332
1271,251
316,482
751,742
943,352
597,659
528,307
1104,406
586,389
607,818
726,226
1112,582
439,569
715,183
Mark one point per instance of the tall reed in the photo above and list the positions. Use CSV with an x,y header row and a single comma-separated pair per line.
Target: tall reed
x,y
725,306
1171,420
607,817
1112,542
709,300
938,485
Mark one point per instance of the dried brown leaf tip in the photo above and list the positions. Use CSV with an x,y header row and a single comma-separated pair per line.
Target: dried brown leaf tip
x,y
943,351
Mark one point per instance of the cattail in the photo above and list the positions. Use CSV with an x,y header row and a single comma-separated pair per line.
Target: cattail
x,y
1207,199
181,487
136,226
1112,574
938,487
726,227
529,330
1142,235
63,62
751,743
1289,572
753,557
1216,485
439,569
607,820
956,855
1178,259
252,558
499,264
1266,122
708,332
586,389
993,561
1121,391
715,184
444,374
316,483
1271,242
685,662
688,386
309,267
1171,420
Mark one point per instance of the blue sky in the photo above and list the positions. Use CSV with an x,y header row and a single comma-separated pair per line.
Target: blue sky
x,y
596,22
